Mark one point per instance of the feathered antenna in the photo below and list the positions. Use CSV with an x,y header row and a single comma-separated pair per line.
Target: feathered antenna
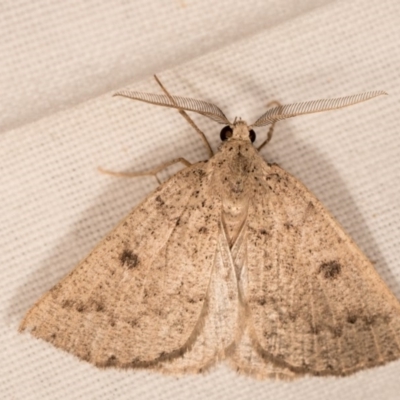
x,y
270,117
181,103
292,110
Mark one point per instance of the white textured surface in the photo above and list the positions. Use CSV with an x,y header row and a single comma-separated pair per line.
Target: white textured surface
x,y
55,206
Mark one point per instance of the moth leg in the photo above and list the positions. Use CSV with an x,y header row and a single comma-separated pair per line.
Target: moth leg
x,y
188,119
271,128
151,172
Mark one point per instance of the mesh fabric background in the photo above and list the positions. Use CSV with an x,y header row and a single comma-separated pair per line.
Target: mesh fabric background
x,y
60,64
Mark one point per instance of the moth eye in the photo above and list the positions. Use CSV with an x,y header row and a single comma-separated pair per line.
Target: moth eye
x,y
252,135
226,133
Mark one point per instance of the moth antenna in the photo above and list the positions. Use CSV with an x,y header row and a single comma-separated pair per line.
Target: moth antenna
x,y
164,89
188,119
292,110
181,103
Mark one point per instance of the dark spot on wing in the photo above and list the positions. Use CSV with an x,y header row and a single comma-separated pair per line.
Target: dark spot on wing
x,y
261,301
352,318
99,307
129,259
67,303
203,229
55,288
133,323
159,200
80,308
268,267
315,329
330,269
111,361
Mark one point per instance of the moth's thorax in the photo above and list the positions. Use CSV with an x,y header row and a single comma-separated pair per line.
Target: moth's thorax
x,y
232,179
233,166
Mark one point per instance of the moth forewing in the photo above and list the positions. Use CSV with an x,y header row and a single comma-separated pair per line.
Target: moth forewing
x,y
324,310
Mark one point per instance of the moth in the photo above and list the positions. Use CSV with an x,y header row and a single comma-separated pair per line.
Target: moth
x,y
232,259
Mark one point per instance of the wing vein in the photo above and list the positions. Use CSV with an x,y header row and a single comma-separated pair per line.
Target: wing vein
x,y
370,327
311,303
334,321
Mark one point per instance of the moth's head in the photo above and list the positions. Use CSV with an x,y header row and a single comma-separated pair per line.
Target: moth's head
x,y
239,130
